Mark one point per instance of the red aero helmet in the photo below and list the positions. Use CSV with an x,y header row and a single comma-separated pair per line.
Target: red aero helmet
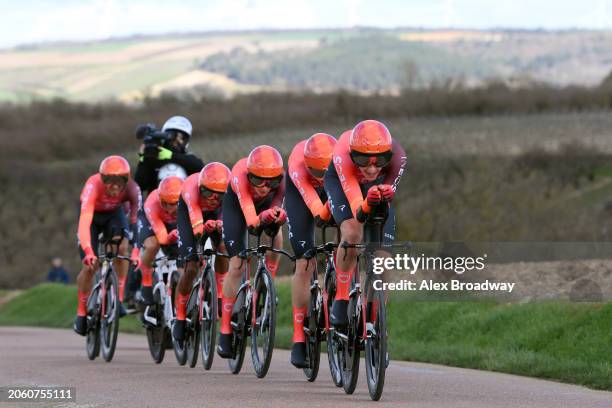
x,y
370,137
115,166
215,176
265,161
170,189
318,151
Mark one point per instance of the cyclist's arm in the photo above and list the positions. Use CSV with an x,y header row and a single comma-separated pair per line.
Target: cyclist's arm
x,y
279,194
397,165
240,185
89,196
310,196
347,173
135,198
193,208
157,224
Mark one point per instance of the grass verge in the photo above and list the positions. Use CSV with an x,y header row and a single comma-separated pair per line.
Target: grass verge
x,y
567,342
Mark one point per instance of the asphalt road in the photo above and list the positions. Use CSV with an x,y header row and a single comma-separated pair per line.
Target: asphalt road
x,y
54,357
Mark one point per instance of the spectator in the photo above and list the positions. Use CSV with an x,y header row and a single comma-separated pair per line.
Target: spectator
x,y
57,273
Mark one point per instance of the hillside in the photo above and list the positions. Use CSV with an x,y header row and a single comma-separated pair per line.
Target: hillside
x,y
364,63
362,60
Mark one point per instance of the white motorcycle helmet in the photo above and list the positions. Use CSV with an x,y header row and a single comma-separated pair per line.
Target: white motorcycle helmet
x,y
181,124
178,123
171,169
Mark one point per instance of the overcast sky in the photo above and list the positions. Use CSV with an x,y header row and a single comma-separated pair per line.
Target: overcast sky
x,y
28,21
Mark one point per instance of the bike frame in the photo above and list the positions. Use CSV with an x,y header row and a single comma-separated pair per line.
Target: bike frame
x,y
260,253
106,267
164,266
206,260
328,250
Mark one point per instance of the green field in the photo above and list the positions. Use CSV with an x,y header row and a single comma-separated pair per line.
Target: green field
x,y
560,341
362,60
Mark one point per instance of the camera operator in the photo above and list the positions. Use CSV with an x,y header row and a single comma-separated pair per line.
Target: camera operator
x,y
164,153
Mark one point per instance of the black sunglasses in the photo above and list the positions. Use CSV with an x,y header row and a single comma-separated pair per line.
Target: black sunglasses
x,y
316,173
364,159
272,182
116,180
206,193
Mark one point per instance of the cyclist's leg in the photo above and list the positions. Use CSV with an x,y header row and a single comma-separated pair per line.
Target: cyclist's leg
x,y
188,256
86,275
221,266
85,279
388,236
351,231
272,259
149,245
235,240
301,236
117,226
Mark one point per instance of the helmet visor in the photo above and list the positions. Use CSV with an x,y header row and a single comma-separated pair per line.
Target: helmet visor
x,y
376,159
168,206
257,181
120,181
317,173
208,193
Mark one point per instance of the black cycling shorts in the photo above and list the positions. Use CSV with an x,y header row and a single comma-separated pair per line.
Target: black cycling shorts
x,y
234,225
145,230
299,219
187,242
109,224
340,208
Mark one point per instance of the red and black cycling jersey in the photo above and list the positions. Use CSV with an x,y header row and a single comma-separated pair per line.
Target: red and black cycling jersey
x,y
247,196
308,186
196,205
94,199
158,217
350,176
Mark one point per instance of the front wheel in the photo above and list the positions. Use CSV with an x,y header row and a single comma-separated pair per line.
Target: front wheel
x,y
179,348
192,328
92,343
109,324
239,333
262,333
313,336
156,335
350,355
334,346
208,318
376,342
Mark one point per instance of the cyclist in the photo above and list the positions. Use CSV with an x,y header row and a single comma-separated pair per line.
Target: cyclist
x,y
199,213
306,205
102,212
172,158
366,169
157,226
252,202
